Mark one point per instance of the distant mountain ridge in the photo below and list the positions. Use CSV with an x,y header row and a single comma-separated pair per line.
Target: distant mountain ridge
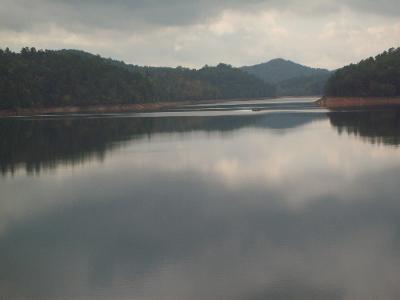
x,y
278,70
291,79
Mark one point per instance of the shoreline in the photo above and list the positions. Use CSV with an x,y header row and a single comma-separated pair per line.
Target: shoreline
x,y
109,108
357,102
113,108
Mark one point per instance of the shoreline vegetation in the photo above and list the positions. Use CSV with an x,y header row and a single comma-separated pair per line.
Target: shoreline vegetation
x,y
35,79
35,82
373,82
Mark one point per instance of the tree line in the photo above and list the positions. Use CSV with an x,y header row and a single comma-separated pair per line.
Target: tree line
x,y
373,77
48,78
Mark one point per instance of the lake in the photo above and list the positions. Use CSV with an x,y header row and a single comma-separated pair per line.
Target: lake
x,y
246,200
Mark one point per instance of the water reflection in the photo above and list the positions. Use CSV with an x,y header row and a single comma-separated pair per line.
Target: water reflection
x,y
45,143
376,126
248,208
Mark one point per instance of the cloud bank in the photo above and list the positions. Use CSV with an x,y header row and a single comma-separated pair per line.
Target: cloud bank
x,y
193,33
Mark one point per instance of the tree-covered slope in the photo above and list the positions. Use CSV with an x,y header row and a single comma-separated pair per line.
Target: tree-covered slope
x,y
373,77
311,85
292,79
220,82
59,78
34,78
278,70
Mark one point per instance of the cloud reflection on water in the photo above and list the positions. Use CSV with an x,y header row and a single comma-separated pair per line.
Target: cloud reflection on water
x,y
258,213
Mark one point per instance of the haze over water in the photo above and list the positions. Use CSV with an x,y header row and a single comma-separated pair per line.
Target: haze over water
x,y
242,200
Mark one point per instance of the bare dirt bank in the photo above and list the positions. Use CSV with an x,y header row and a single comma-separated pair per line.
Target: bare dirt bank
x,y
357,102
115,108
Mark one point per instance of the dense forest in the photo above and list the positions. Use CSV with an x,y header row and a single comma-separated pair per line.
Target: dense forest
x,y
45,78
373,77
61,78
220,82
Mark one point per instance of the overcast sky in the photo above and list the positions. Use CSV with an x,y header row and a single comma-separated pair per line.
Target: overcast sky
x,y
319,33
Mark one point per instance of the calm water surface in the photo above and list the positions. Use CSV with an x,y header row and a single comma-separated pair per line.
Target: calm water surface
x,y
244,200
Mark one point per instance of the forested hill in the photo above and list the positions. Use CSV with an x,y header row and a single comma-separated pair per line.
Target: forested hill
x,y
48,78
220,82
278,70
291,79
373,77
61,78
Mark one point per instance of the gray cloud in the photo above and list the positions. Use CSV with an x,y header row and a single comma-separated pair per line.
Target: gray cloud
x,y
321,33
385,7
105,14
136,14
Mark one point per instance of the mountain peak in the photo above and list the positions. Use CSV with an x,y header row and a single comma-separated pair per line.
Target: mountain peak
x,y
279,60
279,69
